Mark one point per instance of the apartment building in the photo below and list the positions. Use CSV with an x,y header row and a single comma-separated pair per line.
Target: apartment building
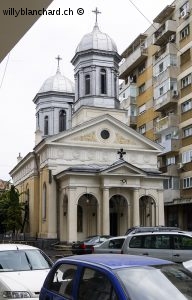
x,y
156,90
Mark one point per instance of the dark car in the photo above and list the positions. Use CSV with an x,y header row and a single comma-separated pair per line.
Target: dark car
x,y
86,246
137,229
116,277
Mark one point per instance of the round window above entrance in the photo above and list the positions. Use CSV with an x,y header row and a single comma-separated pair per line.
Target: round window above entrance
x,y
105,134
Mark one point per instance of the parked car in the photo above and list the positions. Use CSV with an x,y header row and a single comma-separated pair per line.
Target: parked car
x,y
112,245
116,277
188,265
86,246
172,245
137,229
23,270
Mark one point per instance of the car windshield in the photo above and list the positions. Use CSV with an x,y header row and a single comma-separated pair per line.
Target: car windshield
x,y
167,282
23,260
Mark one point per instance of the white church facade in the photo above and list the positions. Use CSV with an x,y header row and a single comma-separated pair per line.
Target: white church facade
x,y
89,172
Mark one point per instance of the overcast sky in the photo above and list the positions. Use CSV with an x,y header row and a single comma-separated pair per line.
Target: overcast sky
x,y
32,61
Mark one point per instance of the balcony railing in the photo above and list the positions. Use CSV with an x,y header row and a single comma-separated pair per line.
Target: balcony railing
x,y
132,61
166,100
166,122
164,32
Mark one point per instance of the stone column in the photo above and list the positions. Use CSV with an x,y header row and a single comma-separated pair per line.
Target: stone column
x,y
72,216
129,215
161,215
136,214
52,211
106,227
93,80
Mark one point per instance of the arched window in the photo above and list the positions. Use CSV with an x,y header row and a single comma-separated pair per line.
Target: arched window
x,y
62,120
44,202
79,219
103,81
87,84
46,125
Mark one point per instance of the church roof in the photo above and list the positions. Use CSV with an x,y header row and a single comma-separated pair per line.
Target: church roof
x,y
57,83
96,40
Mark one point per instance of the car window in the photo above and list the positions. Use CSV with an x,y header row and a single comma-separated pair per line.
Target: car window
x,y
156,282
62,280
23,260
95,285
116,244
160,241
136,242
182,242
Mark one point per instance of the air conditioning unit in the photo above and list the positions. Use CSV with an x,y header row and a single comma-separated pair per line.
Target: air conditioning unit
x,y
180,165
172,38
185,14
175,93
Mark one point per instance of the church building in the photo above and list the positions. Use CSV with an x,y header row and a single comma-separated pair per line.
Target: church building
x,y
89,172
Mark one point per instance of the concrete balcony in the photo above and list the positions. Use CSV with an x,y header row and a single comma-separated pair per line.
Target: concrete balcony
x,y
166,100
166,122
132,61
169,72
172,145
164,32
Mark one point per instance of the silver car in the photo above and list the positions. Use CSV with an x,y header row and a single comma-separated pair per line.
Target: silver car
x,y
112,245
174,246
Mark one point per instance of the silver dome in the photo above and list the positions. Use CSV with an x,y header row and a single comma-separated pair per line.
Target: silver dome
x,y
57,83
96,40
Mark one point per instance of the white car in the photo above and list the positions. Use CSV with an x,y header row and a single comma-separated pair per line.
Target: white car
x,y
23,270
112,245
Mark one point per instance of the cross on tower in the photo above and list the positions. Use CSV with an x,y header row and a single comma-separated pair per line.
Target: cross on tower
x,y
121,153
96,12
58,58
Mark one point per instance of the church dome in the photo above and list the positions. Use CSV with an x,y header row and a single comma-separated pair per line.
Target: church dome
x,y
57,83
96,40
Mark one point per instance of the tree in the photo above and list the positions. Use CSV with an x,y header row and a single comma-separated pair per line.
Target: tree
x,y
11,210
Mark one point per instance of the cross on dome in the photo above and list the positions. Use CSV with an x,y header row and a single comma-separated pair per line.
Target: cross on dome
x,y
96,12
58,58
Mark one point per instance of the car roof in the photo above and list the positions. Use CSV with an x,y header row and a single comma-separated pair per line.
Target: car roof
x,y
161,232
12,246
117,237
114,261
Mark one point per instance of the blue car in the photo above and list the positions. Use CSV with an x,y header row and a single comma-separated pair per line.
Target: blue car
x,y
116,277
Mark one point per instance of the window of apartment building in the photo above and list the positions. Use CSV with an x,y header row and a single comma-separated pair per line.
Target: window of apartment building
x,y
141,68
170,160
187,182
171,183
161,67
185,81
187,156
185,57
184,9
161,91
141,88
168,136
187,105
142,129
187,131
184,32
173,59
142,109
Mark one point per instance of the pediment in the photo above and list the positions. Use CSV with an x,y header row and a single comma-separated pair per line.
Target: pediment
x,y
91,133
123,168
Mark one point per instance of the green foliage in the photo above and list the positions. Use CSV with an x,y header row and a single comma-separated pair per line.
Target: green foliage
x,y
11,210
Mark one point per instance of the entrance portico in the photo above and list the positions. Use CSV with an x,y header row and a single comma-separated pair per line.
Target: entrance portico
x,y
108,203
